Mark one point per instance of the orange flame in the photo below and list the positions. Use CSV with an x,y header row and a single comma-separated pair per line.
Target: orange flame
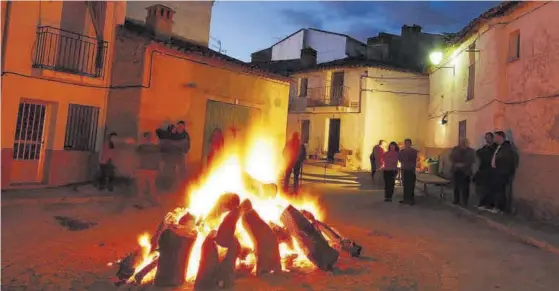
x,y
262,161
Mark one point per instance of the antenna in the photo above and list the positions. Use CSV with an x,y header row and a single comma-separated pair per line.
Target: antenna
x,y
218,47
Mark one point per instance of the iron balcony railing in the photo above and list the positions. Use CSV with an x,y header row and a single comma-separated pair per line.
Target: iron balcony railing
x,y
65,51
328,96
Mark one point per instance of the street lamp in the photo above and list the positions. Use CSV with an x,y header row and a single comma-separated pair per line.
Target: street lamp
x,y
436,58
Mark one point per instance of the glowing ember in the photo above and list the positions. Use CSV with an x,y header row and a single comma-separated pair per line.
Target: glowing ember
x,y
261,161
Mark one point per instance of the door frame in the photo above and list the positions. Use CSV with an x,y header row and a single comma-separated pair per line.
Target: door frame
x,y
41,162
328,152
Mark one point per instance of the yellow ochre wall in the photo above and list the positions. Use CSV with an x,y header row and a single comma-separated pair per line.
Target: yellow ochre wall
x,y
180,86
22,82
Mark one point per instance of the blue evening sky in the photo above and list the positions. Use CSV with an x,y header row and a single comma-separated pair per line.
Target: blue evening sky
x,y
244,27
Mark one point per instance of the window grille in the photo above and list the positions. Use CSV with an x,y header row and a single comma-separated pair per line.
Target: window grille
x,y
81,128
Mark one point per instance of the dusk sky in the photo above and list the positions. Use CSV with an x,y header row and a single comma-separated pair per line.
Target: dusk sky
x,y
246,27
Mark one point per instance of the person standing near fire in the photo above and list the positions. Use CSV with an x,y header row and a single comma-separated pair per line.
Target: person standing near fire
x,y
294,154
376,157
389,170
149,158
482,178
503,166
408,161
462,158
106,164
217,142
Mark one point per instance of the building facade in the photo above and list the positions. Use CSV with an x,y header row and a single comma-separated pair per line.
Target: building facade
x,y
343,108
501,74
56,71
330,46
160,78
192,18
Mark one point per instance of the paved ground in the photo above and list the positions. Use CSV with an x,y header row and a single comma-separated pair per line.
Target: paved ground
x,y
426,247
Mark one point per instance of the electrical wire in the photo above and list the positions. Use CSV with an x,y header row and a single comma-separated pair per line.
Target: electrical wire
x,y
498,101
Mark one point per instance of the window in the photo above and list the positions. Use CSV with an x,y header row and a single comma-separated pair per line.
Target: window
x,y
471,71
471,82
81,128
303,86
461,130
514,45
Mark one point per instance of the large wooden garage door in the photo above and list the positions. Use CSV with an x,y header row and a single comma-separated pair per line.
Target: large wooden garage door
x,y
232,120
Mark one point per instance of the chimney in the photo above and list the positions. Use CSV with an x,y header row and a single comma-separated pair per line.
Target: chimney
x,y
410,30
160,19
308,57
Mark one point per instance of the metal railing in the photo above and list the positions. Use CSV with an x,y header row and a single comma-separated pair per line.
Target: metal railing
x,y
328,96
69,52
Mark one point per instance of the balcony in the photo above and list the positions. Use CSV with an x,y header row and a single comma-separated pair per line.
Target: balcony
x,y
69,52
327,98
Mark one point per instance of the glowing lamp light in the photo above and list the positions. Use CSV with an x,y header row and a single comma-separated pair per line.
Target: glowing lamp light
x,y
436,58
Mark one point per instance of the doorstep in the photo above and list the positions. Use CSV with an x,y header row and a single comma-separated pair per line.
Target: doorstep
x,y
534,233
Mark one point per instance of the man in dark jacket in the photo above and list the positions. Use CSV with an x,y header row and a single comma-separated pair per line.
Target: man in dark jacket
x,y
408,161
482,178
503,165
462,158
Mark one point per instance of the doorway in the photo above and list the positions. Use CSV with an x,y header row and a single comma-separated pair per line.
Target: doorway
x,y
333,138
29,143
336,88
305,131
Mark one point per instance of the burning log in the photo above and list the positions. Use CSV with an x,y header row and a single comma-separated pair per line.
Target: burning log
x,y
265,242
126,267
175,246
339,242
281,234
142,273
314,244
206,278
213,273
226,231
246,205
226,270
226,202
262,189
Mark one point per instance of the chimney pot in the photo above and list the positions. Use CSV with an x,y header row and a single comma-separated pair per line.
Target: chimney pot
x,y
308,57
159,19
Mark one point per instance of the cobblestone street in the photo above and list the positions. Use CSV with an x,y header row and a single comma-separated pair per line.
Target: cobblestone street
x,y
429,246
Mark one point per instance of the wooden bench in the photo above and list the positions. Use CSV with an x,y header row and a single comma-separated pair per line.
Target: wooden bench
x,y
432,179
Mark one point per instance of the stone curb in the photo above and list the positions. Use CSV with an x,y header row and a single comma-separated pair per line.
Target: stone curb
x,y
509,231
47,201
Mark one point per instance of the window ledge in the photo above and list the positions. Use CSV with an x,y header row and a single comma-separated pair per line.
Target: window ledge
x,y
510,60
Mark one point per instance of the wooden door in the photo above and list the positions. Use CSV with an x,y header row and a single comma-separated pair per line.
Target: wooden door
x,y
233,121
29,143
305,131
334,138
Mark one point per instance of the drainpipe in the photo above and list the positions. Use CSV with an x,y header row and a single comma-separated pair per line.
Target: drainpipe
x,y
5,32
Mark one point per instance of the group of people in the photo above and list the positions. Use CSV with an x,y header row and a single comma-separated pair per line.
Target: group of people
x,y
497,161
385,158
165,150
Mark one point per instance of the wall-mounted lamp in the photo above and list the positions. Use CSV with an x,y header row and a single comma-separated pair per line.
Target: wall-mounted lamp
x,y
444,120
436,58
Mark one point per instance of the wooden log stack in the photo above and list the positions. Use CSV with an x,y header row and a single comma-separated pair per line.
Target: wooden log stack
x,y
314,245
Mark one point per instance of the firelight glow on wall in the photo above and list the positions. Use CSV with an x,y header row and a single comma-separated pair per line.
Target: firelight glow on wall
x,y
436,58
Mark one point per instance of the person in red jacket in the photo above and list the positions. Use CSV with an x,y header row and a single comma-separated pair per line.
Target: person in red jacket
x,y
216,145
292,158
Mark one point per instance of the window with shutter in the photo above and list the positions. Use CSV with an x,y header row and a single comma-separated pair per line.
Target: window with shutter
x,y
514,45
303,86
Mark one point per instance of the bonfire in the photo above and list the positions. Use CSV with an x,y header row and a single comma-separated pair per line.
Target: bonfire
x,y
236,221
